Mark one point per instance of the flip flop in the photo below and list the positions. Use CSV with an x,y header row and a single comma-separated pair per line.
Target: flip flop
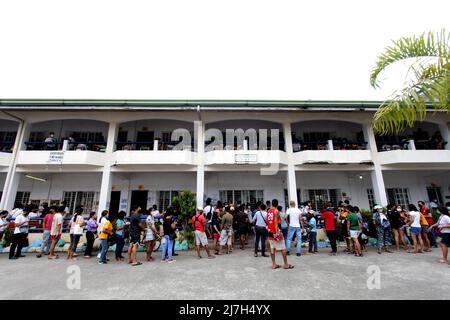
x,y
276,267
289,267
136,264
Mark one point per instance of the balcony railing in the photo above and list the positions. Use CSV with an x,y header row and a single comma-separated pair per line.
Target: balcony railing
x,y
329,145
155,145
73,145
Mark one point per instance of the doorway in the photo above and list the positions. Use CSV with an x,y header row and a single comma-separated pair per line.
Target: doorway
x,y
114,203
139,198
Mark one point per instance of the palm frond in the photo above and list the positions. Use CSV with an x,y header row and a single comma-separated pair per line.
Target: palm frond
x,y
426,45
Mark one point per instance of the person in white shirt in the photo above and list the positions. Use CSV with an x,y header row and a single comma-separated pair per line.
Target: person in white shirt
x,y
150,232
3,223
19,239
416,228
17,211
443,226
295,219
261,233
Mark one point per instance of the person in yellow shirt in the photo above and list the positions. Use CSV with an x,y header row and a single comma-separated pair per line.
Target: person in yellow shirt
x,y
424,233
107,231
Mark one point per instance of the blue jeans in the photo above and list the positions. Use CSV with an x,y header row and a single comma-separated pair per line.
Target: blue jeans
x,y
104,249
120,242
166,247
298,234
284,231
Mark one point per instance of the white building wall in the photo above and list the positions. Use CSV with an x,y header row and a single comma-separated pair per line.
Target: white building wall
x,y
57,183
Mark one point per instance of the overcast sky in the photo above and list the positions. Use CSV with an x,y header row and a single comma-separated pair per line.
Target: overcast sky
x,y
204,49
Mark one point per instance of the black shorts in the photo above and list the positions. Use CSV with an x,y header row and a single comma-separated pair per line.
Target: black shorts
x,y
446,239
134,239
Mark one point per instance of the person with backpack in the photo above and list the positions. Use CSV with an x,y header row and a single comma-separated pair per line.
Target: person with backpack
x,y
168,236
260,221
199,223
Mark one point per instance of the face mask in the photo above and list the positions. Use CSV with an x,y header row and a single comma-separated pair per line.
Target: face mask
x,y
399,209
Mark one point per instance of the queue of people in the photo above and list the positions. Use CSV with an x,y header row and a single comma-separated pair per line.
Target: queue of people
x,y
414,229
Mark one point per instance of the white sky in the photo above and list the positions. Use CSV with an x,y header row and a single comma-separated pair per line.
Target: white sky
x,y
204,49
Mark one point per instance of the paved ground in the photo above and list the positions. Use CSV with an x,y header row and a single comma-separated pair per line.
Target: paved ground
x,y
238,276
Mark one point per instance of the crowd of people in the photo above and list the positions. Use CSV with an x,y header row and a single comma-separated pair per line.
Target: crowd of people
x,y
217,228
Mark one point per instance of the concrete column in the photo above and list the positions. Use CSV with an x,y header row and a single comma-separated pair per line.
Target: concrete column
x,y
445,133
379,188
330,145
105,189
290,175
200,141
369,137
12,177
411,145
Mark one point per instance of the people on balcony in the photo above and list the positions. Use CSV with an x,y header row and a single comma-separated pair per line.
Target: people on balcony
x,y
50,142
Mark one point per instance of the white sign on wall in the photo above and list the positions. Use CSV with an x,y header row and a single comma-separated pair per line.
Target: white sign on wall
x,y
244,158
55,157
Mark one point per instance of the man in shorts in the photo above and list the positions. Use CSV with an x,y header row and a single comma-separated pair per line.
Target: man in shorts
x,y
354,229
135,235
276,239
55,232
226,236
199,222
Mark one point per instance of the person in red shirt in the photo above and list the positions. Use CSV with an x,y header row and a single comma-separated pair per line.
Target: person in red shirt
x,y
46,239
276,239
428,236
330,219
199,222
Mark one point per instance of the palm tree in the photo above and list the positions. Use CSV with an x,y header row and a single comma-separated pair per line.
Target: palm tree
x,y
429,87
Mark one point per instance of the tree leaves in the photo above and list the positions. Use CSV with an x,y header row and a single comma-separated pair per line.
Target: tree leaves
x,y
430,88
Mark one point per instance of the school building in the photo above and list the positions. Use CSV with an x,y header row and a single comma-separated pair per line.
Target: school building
x,y
110,154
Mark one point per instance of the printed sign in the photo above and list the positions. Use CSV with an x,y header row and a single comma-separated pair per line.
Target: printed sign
x,y
244,158
55,157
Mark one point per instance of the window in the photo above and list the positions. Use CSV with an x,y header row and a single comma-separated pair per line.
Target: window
x,y
398,196
319,196
435,193
371,198
88,136
22,197
87,199
242,196
165,199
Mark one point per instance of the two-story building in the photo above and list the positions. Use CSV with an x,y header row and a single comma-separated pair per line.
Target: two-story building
x,y
114,154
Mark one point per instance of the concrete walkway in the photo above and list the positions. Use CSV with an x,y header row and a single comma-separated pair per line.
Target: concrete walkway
x,y
237,276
